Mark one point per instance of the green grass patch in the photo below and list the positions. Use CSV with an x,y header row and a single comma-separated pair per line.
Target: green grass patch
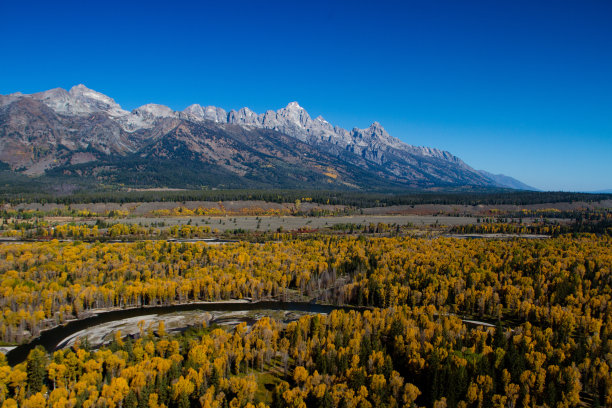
x,y
266,382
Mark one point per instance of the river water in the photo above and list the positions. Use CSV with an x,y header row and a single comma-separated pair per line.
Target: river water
x,y
52,338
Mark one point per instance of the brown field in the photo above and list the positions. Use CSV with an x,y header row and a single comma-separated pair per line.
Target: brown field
x,y
142,209
289,223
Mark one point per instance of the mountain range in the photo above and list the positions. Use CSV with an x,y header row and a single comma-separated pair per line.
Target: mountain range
x,y
82,134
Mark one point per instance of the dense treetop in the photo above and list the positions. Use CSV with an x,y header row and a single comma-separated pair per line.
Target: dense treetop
x,y
549,299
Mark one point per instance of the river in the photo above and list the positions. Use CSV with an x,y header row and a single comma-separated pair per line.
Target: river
x,y
62,336
52,338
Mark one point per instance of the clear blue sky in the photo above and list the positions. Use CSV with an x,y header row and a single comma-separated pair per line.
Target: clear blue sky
x,y
522,88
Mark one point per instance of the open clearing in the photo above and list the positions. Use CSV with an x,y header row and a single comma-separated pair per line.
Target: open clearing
x,y
144,208
288,223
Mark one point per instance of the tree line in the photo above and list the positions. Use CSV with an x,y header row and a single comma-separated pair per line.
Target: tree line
x,y
334,197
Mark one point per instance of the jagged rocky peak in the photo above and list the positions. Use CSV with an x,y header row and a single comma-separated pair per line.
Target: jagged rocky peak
x,y
195,110
377,127
57,99
213,113
96,101
320,123
295,113
375,133
79,101
376,130
80,91
55,93
153,110
244,116
294,106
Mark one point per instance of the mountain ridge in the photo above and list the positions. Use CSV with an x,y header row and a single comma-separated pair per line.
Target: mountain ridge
x,y
65,131
507,181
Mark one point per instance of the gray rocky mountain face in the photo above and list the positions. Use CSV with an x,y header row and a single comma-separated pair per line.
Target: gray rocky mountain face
x,y
59,128
372,144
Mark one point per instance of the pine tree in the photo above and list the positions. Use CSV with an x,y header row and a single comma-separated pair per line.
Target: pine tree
x,y
36,363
